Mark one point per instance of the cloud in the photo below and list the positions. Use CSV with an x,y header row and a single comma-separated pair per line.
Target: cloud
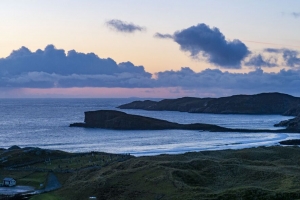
x,y
201,40
124,27
259,61
220,83
290,57
295,14
163,36
46,80
53,68
52,60
273,50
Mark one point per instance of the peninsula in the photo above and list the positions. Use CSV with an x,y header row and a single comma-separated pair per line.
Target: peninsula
x,y
112,119
264,103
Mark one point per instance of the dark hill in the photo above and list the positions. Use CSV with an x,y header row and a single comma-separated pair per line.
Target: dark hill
x,y
264,103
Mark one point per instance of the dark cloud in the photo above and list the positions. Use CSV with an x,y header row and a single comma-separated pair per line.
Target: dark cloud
x,y
220,83
124,27
259,61
52,67
46,80
290,57
53,60
211,43
272,50
163,36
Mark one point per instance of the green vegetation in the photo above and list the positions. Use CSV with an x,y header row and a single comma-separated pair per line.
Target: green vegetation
x,y
46,196
256,173
34,179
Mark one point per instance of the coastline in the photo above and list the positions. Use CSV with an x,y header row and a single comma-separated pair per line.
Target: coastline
x,y
48,128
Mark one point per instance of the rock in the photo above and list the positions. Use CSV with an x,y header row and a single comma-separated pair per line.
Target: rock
x,y
264,103
290,142
290,124
111,119
14,147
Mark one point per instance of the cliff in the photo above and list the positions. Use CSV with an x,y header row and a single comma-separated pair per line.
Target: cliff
x,y
264,103
111,119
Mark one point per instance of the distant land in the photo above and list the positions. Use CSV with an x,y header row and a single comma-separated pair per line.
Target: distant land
x,y
264,103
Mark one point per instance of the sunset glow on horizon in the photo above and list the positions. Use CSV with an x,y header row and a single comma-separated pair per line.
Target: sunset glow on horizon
x,y
168,49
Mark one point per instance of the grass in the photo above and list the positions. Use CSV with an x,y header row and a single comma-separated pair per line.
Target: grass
x,y
34,179
46,196
256,173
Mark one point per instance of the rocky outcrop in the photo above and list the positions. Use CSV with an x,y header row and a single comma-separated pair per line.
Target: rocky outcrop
x,y
290,124
290,142
111,119
264,103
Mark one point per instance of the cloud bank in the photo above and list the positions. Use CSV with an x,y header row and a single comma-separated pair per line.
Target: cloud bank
x,y
124,27
53,68
215,80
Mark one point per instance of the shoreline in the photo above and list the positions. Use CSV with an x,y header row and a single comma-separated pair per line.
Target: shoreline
x,y
223,147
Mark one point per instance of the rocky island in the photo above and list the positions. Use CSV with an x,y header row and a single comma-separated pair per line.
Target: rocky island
x,y
112,119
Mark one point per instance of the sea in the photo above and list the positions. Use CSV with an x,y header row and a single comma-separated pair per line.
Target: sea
x,y
45,123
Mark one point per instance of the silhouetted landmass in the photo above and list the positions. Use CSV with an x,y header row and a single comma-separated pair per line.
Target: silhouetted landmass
x,y
290,124
290,142
264,103
111,119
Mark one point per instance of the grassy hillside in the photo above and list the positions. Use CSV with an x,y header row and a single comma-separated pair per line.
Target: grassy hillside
x,y
256,173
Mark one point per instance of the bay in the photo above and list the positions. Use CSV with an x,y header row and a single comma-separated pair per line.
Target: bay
x,y
45,123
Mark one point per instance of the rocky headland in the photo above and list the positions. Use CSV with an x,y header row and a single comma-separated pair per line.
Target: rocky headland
x,y
264,103
112,119
290,124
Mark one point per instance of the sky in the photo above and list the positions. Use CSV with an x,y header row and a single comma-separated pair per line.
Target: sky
x,y
148,49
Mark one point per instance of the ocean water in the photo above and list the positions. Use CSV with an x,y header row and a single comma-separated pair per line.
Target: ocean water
x,y
45,123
